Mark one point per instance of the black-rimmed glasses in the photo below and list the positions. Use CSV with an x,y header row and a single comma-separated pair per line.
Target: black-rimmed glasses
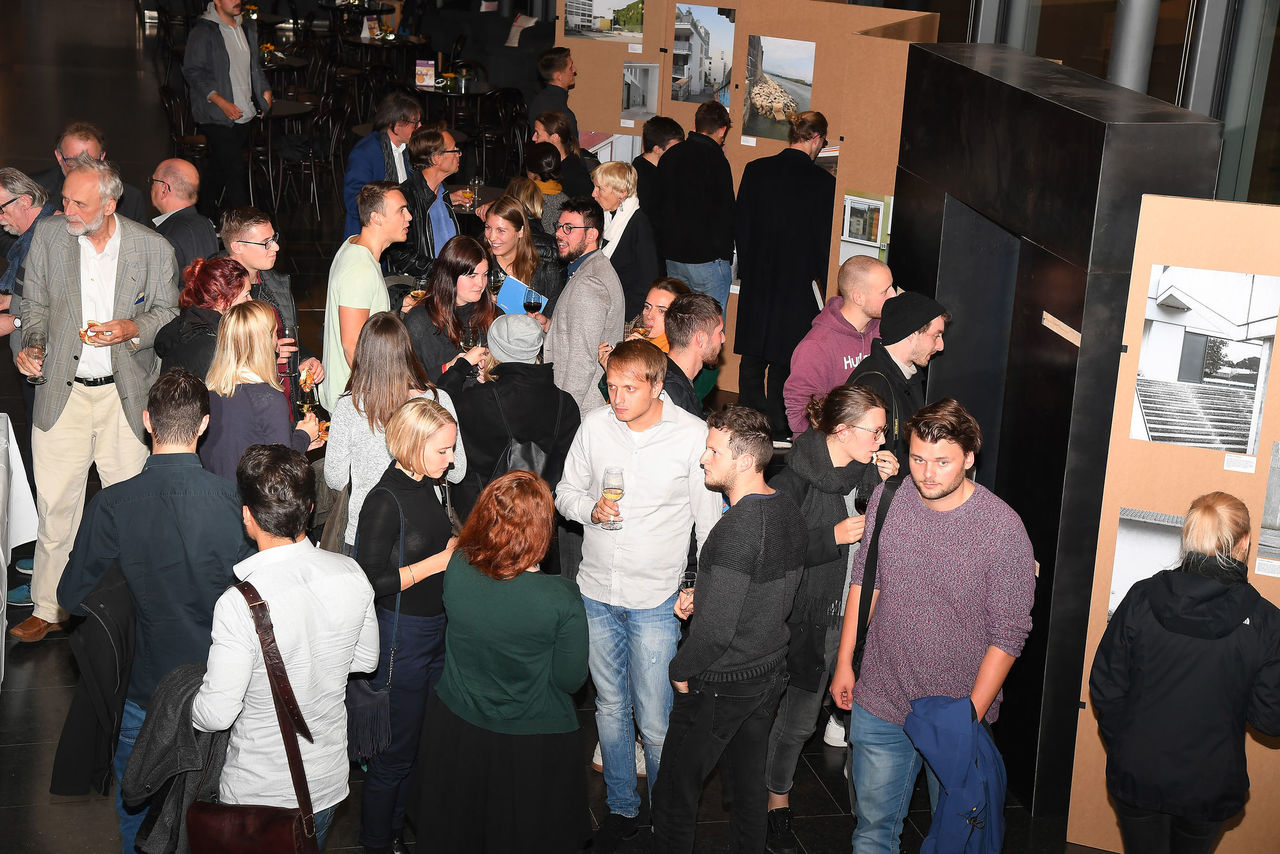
x,y
6,204
158,181
452,151
567,230
265,244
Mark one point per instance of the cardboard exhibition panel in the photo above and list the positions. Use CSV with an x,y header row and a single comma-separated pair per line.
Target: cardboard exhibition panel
x,y
859,72
1198,333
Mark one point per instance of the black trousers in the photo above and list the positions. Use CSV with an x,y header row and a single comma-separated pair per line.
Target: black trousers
x,y
765,395
225,169
718,722
1150,832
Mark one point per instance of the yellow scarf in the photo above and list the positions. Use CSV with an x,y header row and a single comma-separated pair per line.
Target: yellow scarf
x,y
548,188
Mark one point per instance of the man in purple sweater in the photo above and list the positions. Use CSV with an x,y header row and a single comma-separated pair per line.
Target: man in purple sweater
x,y
950,612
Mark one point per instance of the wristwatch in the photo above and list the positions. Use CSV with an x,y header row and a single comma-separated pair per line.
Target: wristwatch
x,y
17,322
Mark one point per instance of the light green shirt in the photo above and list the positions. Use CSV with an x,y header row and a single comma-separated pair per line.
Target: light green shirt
x,y
355,281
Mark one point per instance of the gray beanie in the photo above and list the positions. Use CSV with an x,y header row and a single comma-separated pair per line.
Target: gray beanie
x,y
515,338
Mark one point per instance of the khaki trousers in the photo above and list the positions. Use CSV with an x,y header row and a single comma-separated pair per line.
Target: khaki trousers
x,y
91,429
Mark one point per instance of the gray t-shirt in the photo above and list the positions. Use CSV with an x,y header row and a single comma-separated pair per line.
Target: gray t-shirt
x,y
853,548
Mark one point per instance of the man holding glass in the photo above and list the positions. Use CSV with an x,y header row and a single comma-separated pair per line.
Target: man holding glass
x,y
630,575
90,266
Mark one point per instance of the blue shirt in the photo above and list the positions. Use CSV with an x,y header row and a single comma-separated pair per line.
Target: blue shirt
x,y
574,265
17,253
442,228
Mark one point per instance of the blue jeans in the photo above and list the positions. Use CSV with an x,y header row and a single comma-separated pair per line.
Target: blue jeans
x,y
884,767
712,278
323,820
630,650
130,821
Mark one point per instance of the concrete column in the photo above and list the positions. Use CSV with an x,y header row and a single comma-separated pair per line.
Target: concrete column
x,y
1132,42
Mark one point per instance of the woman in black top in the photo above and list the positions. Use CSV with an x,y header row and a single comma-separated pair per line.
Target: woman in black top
x,y
211,286
1189,657
555,128
448,327
420,436
514,252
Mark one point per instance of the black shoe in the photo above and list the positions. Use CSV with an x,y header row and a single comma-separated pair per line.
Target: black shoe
x,y
781,840
614,830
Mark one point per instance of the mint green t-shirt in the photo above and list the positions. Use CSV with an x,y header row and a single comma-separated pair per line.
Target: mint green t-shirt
x,y
355,281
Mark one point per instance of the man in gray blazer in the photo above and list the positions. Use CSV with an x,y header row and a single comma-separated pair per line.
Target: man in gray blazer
x,y
90,265
590,311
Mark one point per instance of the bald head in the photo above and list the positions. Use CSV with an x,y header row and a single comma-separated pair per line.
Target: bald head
x,y
864,283
175,185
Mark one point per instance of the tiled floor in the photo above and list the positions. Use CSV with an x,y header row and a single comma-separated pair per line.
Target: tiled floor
x,y
89,59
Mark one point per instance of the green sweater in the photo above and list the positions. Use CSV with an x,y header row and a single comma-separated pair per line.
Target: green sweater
x,y
514,650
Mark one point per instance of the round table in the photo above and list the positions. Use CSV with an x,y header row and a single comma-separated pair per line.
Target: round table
x,y
339,12
456,101
285,109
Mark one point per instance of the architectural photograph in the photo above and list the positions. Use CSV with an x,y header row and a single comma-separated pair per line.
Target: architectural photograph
x,y
702,53
605,20
640,86
779,82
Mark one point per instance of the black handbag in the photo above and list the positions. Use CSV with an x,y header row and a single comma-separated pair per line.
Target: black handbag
x,y
217,828
369,708
869,571
522,454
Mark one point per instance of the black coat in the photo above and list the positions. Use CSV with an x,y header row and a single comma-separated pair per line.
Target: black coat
x,y
103,650
1185,662
695,202
782,228
903,396
529,400
635,260
435,349
549,276
191,235
575,177
188,341
415,255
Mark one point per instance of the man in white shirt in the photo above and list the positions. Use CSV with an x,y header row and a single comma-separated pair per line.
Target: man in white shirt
x,y
324,624
356,287
629,577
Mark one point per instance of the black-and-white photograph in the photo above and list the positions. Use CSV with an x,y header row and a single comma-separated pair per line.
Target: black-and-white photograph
x,y
1146,543
640,90
702,55
1207,341
1269,537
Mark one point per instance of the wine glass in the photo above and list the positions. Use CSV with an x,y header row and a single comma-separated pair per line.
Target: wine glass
x,y
306,391
474,186
860,501
37,344
291,367
611,488
532,301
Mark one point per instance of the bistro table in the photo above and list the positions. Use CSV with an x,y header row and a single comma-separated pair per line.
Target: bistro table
x,y
457,102
393,51
340,13
281,66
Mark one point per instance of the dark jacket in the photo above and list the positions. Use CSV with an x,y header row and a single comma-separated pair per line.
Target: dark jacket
x,y
435,349
173,763
548,277
679,388
255,414
207,68
367,163
969,815
818,488
903,396
646,185
103,650
188,341
191,234
132,205
635,260
783,233
552,98
575,177
695,202
1186,661
417,253
529,399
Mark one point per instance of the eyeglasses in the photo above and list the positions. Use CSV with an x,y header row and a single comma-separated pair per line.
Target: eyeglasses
x,y
452,151
878,432
265,244
158,181
568,230
6,204
417,123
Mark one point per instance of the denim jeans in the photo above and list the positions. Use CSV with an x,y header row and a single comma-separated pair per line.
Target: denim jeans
x,y
419,663
324,819
797,715
884,767
725,723
630,650
130,821
1153,832
712,278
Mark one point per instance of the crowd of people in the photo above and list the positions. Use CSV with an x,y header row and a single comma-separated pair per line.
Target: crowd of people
x,y
520,500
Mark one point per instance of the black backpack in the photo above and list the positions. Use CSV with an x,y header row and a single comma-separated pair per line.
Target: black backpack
x,y
522,454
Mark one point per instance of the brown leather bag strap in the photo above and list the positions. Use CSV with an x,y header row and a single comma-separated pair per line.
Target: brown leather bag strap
x,y
288,714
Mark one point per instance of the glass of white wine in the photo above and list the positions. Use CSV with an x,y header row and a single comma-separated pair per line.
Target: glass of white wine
x,y
611,488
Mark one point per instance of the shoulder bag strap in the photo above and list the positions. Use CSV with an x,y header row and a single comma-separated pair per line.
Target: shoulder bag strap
x,y
498,402
893,401
288,715
869,568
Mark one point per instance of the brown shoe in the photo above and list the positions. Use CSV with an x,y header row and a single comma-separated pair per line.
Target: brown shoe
x,y
34,629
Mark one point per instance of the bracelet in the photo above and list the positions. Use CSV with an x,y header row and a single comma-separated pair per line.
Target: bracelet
x,y
412,577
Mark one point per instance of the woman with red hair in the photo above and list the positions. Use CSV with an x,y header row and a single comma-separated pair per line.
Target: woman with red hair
x,y
212,285
501,754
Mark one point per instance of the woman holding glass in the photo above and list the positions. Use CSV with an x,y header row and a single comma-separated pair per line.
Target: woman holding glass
x,y
830,474
211,286
448,326
510,239
247,405
385,374
1189,657
628,235
501,749
402,525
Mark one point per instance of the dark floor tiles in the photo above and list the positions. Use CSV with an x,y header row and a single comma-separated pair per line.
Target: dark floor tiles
x,y
84,827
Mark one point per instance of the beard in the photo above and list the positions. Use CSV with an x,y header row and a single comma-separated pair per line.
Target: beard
x,y
942,490
90,227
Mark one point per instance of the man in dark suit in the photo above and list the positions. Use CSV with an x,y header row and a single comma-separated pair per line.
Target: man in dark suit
x,y
91,264
79,138
174,189
783,231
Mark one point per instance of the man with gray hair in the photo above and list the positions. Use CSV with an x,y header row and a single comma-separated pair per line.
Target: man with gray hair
x,y
174,188
96,288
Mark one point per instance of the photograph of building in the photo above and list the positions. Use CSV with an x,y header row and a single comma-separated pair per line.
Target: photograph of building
x,y
702,56
605,20
640,90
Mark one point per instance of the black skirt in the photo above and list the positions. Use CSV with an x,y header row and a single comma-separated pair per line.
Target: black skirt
x,y
485,792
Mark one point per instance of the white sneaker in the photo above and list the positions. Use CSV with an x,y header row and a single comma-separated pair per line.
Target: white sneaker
x,y
834,735
597,761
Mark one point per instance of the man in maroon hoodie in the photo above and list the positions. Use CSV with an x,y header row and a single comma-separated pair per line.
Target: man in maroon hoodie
x,y
840,337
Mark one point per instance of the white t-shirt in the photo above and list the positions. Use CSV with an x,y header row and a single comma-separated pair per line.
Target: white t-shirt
x,y
355,281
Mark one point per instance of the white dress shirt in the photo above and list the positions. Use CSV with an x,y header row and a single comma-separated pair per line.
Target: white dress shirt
x,y
665,497
97,299
322,613
401,177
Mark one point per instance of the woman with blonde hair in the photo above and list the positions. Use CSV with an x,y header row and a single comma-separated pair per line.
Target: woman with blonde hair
x,y
1189,657
628,234
402,526
247,405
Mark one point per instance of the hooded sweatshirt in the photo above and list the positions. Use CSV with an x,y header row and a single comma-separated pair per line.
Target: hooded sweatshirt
x,y
1188,658
823,359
